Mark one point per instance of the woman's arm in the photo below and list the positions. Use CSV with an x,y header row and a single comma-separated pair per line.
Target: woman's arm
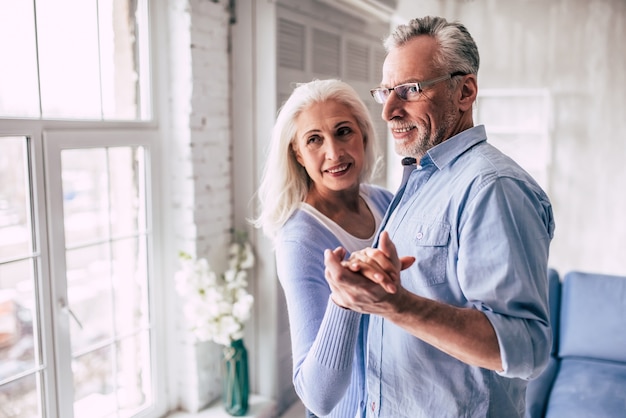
x,y
324,336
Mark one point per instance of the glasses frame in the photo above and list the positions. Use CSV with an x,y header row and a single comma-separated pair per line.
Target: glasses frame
x,y
381,94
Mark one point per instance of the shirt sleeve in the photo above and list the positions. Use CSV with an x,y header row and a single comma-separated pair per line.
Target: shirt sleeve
x,y
502,269
323,335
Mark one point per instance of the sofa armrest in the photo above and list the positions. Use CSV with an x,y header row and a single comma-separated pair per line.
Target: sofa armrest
x,y
538,390
554,302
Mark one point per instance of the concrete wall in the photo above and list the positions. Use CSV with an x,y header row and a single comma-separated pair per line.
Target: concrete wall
x,y
575,49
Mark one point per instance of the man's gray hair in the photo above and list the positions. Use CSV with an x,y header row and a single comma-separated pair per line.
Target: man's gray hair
x,y
457,49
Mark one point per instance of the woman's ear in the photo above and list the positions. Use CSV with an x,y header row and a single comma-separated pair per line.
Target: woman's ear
x,y
296,154
468,92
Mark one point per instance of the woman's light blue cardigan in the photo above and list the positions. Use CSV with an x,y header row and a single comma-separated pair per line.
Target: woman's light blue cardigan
x,y
328,342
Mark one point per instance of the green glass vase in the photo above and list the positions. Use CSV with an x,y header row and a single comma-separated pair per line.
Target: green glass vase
x,y
235,384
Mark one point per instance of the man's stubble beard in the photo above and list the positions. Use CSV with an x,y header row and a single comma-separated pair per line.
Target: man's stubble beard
x,y
425,139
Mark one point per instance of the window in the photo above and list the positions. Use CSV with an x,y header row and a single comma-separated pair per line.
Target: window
x,y
518,122
100,276
74,59
77,153
21,362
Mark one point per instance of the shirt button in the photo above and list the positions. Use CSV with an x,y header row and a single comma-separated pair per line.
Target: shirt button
x,y
419,235
373,406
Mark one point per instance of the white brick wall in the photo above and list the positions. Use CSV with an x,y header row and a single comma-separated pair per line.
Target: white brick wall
x,y
201,160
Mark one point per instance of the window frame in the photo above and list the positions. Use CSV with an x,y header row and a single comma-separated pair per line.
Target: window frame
x,y
55,141
45,142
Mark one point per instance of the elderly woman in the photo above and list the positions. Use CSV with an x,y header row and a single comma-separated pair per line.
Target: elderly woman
x,y
315,195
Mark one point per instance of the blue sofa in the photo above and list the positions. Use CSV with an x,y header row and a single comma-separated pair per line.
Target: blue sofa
x,y
586,375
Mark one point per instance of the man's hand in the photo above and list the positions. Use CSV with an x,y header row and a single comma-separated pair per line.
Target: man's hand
x,y
381,265
369,278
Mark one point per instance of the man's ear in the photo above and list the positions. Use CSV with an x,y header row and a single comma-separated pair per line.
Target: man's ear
x,y
468,92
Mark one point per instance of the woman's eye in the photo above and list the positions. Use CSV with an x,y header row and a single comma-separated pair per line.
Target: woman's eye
x,y
344,130
314,140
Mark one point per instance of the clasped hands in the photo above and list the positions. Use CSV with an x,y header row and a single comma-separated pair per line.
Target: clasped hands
x,y
369,280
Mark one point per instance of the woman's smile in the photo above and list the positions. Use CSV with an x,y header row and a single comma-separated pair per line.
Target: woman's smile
x,y
339,169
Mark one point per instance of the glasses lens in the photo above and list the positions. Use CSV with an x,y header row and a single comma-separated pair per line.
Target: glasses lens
x,y
402,91
380,95
407,91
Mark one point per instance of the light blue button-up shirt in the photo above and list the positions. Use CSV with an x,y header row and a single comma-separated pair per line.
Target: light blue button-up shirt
x,y
479,227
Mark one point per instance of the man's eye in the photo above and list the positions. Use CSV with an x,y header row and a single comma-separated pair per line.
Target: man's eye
x,y
407,91
413,89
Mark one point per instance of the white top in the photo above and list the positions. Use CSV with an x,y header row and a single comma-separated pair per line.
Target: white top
x,y
348,241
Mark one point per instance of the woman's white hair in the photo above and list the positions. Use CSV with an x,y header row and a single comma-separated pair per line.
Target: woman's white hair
x,y
285,182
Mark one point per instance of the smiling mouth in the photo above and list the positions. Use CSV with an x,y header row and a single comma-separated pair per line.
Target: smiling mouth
x,y
338,169
402,130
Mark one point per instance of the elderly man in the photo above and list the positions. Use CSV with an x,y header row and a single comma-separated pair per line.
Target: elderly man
x,y
460,331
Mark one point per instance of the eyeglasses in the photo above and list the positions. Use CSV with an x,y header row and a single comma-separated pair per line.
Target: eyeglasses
x,y
409,91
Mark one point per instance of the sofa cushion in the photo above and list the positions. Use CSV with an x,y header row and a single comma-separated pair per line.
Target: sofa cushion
x,y
593,317
588,388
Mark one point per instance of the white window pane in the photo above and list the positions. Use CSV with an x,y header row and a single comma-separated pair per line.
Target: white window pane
x,y
93,59
68,58
113,382
20,398
85,195
19,88
518,122
127,193
130,285
90,58
107,280
17,311
90,296
20,357
94,395
119,39
134,378
15,215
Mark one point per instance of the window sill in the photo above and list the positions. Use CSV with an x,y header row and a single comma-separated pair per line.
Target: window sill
x,y
260,407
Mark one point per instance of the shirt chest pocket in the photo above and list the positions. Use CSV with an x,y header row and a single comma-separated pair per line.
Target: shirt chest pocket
x,y
430,240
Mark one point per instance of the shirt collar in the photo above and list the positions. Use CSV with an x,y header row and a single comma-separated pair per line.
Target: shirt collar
x,y
443,154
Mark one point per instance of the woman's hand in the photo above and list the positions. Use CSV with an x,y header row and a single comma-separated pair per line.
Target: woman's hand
x,y
381,265
368,278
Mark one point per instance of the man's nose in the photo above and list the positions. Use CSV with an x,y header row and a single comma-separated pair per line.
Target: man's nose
x,y
392,106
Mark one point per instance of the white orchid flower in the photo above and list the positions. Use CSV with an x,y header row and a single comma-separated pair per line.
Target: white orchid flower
x,y
216,306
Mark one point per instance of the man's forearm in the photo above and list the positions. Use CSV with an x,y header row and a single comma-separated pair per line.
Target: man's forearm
x,y
465,334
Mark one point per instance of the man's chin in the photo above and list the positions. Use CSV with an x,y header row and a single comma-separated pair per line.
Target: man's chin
x,y
405,151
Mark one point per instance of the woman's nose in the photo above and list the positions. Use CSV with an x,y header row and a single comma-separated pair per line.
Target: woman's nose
x,y
334,149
